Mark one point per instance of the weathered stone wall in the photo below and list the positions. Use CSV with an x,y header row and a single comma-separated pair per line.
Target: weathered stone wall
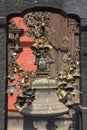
x,y
78,7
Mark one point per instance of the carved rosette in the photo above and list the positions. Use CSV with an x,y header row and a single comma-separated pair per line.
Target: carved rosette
x,y
38,24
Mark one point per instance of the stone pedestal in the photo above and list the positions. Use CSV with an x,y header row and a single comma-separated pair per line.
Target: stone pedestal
x,y
47,124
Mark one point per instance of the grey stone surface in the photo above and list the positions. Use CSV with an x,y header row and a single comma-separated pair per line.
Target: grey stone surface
x,y
15,121
47,123
77,7
3,73
83,54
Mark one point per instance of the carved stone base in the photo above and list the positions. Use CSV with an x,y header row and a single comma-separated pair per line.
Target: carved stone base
x,y
47,124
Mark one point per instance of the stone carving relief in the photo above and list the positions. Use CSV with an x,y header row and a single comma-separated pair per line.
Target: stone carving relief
x,y
62,33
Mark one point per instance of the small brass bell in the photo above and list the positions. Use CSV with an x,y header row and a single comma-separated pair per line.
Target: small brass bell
x,y
40,45
77,74
75,92
11,77
11,88
22,81
64,76
72,102
71,69
61,94
34,47
60,77
69,102
75,85
20,69
69,87
43,24
74,66
47,46
15,70
62,83
70,77
20,97
77,62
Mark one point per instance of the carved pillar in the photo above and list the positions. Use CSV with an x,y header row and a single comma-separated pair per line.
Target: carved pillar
x,y
3,96
84,73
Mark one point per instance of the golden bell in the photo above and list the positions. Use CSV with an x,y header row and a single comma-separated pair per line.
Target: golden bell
x,y
11,77
59,97
34,46
43,24
70,77
75,85
77,62
71,69
69,87
15,70
20,69
72,102
77,74
21,97
22,81
64,82
61,83
74,66
64,76
71,61
12,88
61,94
69,103
60,77
75,92
48,46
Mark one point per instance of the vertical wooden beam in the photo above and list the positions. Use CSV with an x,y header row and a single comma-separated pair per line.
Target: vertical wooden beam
x,y
3,108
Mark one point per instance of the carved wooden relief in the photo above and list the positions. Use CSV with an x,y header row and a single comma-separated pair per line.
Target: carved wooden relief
x,y
61,32
36,23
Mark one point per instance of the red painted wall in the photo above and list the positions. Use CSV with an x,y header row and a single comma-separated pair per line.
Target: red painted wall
x,y
25,59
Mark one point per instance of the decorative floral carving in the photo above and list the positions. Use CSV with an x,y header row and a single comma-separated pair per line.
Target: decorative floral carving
x,y
37,22
68,81
65,44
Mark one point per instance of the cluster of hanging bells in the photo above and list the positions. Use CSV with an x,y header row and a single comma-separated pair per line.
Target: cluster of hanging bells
x,y
14,49
27,94
68,83
39,45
